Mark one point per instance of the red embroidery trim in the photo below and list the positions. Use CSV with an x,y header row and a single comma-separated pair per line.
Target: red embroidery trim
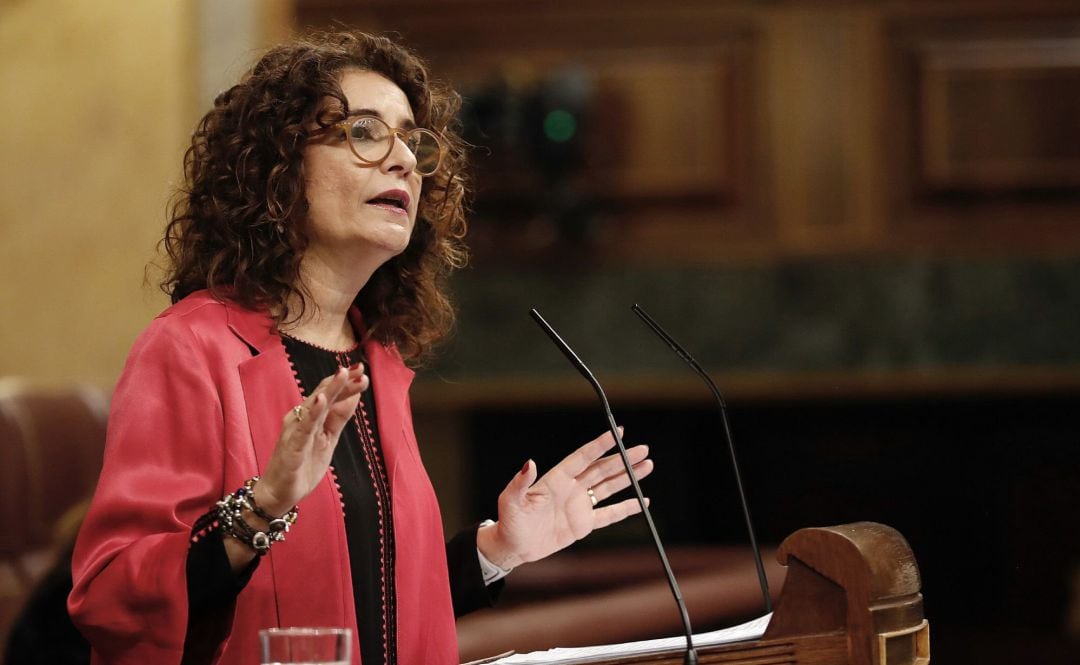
x,y
381,485
339,352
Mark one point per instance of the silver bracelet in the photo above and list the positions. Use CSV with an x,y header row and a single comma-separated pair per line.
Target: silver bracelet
x,y
232,523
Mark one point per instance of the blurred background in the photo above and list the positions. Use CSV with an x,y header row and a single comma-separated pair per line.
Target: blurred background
x,y
862,216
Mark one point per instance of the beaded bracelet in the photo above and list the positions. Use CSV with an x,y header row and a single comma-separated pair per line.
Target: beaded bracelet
x,y
227,517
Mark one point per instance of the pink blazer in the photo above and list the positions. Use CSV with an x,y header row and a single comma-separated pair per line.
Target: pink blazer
x,y
195,413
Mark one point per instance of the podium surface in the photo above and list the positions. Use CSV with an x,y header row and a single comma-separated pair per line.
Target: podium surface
x,y
852,596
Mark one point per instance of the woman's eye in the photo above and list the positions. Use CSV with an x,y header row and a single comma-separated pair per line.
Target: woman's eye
x,y
367,131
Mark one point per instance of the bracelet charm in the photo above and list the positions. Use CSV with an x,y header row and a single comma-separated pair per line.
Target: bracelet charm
x,y
227,517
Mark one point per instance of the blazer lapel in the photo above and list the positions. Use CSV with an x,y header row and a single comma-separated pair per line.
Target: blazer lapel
x,y
390,382
270,390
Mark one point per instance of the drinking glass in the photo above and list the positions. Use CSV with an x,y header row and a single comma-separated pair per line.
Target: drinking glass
x,y
310,646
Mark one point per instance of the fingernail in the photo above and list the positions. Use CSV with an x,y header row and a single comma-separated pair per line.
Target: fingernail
x,y
525,469
355,366
357,381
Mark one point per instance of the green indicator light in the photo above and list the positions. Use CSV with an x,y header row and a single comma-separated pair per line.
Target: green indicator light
x,y
560,126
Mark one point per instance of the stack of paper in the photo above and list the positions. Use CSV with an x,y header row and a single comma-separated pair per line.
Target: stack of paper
x,y
751,630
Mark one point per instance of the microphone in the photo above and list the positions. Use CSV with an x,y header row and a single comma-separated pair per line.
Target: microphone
x,y
689,360
690,657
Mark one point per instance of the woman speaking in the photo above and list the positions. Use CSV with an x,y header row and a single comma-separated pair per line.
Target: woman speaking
x,y
261,468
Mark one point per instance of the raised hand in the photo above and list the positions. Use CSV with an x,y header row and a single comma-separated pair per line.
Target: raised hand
x,y
540,517
309,434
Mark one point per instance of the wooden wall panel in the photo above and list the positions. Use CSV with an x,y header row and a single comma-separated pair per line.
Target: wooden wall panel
x,y
665,117
984,115
672,157
999,115
660,123
796,128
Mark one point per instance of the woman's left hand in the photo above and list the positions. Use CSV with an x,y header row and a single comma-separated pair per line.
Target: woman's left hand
x,y
542,517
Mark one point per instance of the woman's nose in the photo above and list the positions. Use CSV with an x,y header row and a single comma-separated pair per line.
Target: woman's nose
x,y
400,157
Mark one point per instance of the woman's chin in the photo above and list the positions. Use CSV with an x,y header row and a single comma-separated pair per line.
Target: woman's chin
x,y
388,244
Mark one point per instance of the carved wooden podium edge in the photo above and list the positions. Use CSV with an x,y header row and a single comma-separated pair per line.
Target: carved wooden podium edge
x,y
852,596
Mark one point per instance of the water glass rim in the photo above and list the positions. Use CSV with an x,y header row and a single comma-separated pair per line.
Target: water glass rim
x,y
306,630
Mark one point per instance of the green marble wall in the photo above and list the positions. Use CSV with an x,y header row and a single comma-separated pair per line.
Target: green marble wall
x,y
804,316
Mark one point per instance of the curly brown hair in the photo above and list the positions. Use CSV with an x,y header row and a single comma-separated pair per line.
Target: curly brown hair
x,y
236,228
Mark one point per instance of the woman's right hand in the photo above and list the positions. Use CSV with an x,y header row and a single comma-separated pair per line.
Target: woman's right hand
x,y
303,452
306,444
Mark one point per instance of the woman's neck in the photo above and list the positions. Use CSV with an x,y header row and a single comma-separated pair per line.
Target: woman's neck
x,y
321,328
325,319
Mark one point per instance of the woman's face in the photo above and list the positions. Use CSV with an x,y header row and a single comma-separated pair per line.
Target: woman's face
x,y
358,213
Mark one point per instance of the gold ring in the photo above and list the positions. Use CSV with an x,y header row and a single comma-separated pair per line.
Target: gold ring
x,y
298,411
592,497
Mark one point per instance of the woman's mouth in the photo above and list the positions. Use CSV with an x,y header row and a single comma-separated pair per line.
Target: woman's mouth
x,y
394,200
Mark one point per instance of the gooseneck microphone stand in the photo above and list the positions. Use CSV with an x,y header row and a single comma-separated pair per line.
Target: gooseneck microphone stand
x,y
690,657
689,360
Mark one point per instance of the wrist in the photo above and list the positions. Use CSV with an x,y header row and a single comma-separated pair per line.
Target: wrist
x,y
239,516
267,501
491,544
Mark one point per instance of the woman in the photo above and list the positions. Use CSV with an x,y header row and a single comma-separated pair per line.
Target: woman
x,y
323,210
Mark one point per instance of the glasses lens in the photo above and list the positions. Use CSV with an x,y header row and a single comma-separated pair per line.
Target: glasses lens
x,y
371,139
425,145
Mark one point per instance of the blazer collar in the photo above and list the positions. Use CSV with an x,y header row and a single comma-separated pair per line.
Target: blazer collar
x,y
270,387
385,360
256,329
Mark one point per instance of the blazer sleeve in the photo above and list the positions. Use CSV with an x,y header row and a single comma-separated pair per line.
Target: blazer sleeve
x,y
467,588
163,468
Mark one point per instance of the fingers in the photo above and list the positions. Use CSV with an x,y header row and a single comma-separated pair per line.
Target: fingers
x,y
358,375
301,422
343,407
616,512
617,483
520,483
309,433
314,409
612,465
584,468
342,384
579,460
340,413
328,407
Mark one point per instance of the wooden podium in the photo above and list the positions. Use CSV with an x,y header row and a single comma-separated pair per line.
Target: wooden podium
x,y
851,597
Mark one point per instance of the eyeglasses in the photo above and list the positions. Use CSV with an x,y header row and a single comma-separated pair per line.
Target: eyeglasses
x,y
372,141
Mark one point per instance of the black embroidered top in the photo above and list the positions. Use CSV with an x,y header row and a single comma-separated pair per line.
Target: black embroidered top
x,y
365,493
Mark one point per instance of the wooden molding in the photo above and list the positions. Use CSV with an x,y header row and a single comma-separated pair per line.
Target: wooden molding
x,y
999,114
565,390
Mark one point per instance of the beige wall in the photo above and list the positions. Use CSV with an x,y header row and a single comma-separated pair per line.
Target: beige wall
x,y
99,99
98,103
